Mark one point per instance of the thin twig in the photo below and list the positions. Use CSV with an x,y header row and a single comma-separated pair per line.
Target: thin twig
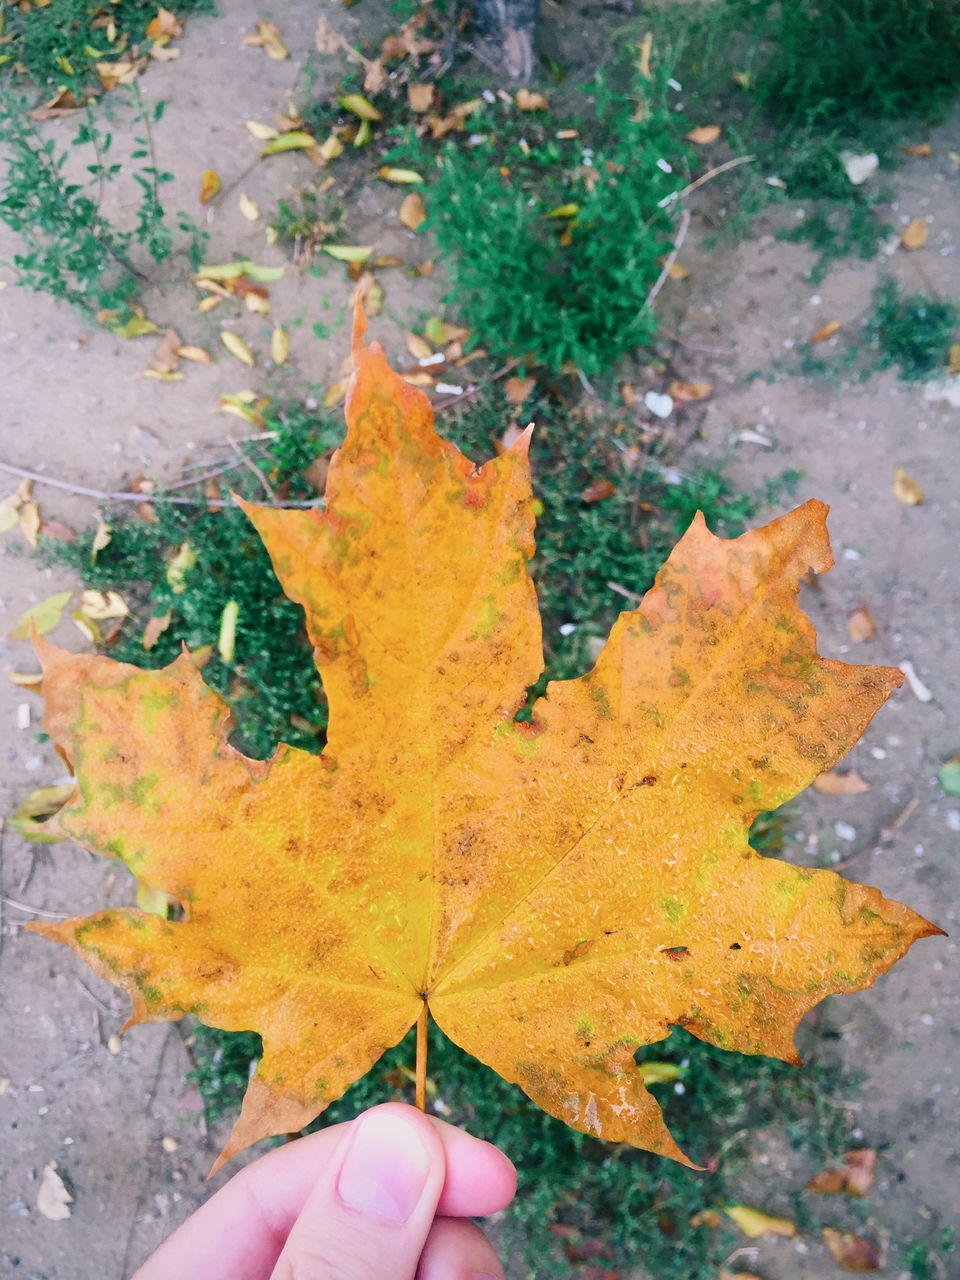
x,y
624,591
254,470
36,911
671,258
707,177
105,495
886,834
98,1002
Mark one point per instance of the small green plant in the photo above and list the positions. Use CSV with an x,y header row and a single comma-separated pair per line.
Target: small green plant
x,y
306,221
72,251
553,244
911,332
59,44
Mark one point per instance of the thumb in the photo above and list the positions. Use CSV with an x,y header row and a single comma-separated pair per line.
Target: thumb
x,y
369,1215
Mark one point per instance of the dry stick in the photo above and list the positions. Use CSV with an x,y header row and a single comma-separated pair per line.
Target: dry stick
x,y
885,836
120,496
670,259
624,591
254,469
421,1088
36,911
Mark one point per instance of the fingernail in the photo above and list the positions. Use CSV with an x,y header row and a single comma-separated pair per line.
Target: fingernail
x,y
385,1168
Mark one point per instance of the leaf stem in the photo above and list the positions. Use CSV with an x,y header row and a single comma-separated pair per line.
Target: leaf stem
x,y
421,1088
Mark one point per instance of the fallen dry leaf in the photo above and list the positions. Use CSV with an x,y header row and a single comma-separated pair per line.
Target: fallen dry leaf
x,y
63,103
518,389
833,783
29,820
420,97
29,520
597,491
295,140
104,604
279,346
44,615
404,176
249,208
528,101
687,392
209,186
753,1223
413,212
155,628
360,106
53,1198
57,529
10,511
197,354
861,626
101,538
453,901
267,37
166,357
705,134
850,1251
856,1177
705,1218
825,331
237,347
418,347
919,149
262,132
906,489
165,24
914,235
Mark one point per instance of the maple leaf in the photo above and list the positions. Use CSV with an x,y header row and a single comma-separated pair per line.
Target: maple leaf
x,y
557,892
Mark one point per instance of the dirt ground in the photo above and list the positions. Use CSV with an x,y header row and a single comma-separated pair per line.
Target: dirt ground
x,y
119,1121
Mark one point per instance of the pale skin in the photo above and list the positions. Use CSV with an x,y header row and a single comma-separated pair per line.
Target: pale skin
x,y
385,1197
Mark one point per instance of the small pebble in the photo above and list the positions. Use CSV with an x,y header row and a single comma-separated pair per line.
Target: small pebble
x,y
845,831
878,753
169,1144
926,1019
953,819
113,1044
568,628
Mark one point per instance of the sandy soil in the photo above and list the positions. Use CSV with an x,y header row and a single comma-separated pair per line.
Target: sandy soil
x,y
123,1126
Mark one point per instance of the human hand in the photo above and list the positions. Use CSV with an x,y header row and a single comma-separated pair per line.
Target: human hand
x,y
380,1198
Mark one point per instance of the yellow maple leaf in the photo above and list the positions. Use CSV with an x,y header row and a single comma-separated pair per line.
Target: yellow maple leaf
x,y
555,893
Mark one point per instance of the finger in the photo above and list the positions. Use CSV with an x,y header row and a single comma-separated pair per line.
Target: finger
x,y
371,1210
458,1250
239,1232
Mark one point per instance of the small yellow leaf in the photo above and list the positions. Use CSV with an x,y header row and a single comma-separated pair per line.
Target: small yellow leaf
x,y
295,140
104,604
330,148
256,303
914,234
196,354
742,78
237,347
249,208
373,300
29,520
86,626
528,101
279,346
389,174
26,679
564,211
179,567
906,488
335,393
135,327
209,185
44,615
919,149
29,818
262,132
162,375
413,212
825,331
360,106
704,135
226,641
9,512
754,1223
418,347
658,1072
268,39
101,538
349,252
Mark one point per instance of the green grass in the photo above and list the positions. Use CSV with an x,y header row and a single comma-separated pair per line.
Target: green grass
x,y
911,333
557,289
58,44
